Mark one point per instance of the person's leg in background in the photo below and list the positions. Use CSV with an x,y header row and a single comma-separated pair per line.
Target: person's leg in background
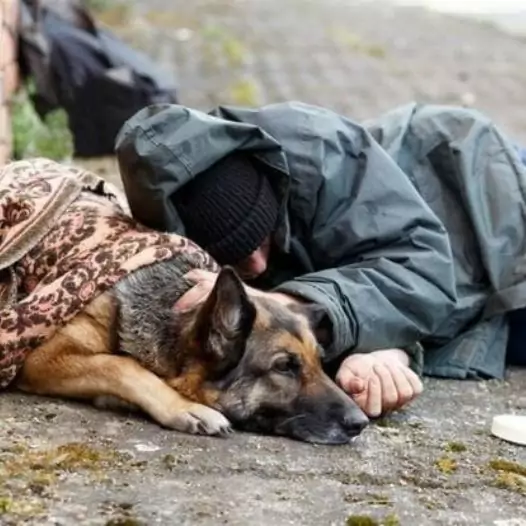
x,y
516,354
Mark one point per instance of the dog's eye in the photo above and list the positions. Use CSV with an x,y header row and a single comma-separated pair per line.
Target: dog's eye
x,y
287,364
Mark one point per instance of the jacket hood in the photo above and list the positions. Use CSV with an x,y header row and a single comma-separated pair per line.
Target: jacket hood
x,y
164,146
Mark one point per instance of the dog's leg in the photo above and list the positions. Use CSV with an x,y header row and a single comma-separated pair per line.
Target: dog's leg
x,y
60,368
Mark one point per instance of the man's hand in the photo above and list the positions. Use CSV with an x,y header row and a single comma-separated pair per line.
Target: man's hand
x,y
204,283
379,382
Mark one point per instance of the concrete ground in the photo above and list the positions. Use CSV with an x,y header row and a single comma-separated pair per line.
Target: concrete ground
x,y
65,463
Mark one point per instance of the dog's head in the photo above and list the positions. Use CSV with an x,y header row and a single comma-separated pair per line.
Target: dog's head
x,y
259,364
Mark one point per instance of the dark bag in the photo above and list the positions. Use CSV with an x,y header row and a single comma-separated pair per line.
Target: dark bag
x,y
94,76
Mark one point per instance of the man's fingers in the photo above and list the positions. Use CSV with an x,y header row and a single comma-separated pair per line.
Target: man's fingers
x,y
359,365
389,392
197,275
350,382
354,373
194,296
405,389
373,407
361,399
355,385
415,381
194,275
205,282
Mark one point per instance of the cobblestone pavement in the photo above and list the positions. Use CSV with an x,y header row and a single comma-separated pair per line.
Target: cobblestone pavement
x,y
435,464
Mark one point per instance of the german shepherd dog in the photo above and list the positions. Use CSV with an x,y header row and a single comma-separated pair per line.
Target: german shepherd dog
x,y
234,360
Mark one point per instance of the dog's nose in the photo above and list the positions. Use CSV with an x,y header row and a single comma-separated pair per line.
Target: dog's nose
x,y
354,422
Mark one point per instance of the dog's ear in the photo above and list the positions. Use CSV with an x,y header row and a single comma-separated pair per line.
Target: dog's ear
x,y
318,320
225,321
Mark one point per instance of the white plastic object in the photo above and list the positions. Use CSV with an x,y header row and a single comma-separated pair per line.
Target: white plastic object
x,y
511,428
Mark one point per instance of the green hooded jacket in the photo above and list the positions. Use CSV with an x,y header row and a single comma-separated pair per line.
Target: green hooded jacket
x,y
363,214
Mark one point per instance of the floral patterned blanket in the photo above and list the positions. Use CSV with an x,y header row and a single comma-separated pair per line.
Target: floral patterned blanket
x,y
66,236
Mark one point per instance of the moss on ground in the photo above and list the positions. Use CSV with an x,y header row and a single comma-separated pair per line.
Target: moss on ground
x,y
455,447
511,482
446,465
366,520
28,476
361,520
124,521
511,476
499,464
387,422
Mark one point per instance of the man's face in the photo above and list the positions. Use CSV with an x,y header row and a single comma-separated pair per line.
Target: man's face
x,y
255,264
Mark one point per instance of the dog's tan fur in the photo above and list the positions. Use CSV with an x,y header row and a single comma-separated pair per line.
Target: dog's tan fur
x,y
78,363
191,391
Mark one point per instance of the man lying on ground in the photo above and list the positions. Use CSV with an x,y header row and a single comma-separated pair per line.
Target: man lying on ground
x,y
409,230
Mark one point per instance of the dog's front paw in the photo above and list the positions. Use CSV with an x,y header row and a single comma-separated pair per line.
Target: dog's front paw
x,y
198,419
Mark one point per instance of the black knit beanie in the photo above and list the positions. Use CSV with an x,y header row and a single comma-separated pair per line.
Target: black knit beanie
x,y
228,209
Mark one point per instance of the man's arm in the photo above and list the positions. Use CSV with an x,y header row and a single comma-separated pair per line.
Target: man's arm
x,y
386,274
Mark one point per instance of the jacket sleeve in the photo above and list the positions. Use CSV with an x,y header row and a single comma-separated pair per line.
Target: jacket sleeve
x,y
381,260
